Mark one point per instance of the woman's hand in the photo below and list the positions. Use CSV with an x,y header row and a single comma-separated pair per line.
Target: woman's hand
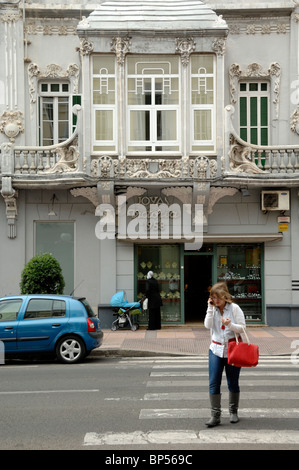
x,y
225,321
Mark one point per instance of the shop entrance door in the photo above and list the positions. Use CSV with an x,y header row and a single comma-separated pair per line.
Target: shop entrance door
x,y
197,281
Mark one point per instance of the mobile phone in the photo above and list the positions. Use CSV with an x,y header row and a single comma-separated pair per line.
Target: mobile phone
x,y
211,302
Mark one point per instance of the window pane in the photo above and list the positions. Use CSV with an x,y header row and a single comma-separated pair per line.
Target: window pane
x,y
39,308
253,112
264,111
253,135
202,125
55,87
264,136
243,111
202,90
9,309
139,125
104,90
104,62
202,61
166,125
59,308
243,134
58,238
104,124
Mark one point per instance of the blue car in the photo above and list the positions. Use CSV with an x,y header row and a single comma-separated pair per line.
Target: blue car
x,y
66,326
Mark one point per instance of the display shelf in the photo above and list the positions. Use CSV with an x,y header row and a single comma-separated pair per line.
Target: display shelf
x,y
240,269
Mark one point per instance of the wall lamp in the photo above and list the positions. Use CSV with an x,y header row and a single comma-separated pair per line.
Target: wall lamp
x,y
52,212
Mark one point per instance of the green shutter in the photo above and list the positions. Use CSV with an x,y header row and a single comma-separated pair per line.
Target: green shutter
x,y
76,99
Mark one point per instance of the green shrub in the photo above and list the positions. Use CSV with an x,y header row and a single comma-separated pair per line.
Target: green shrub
x,y
42,275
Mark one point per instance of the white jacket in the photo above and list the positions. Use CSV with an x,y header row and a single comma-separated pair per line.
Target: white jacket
x,y
218,335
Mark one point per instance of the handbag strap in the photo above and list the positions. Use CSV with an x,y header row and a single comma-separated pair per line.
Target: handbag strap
x,y
236,336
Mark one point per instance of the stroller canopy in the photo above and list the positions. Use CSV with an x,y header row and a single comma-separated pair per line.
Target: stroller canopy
x,y
120,300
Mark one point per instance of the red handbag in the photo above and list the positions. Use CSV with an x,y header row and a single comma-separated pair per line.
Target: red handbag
x,y
242,354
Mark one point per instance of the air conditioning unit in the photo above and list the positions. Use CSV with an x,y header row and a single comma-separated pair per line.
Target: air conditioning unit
x,y
275,200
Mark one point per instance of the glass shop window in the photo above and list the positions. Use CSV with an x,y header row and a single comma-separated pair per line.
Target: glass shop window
x,y
164,261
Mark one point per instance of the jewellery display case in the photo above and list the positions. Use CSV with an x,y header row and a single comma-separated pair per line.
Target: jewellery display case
x,y
240,267
164,261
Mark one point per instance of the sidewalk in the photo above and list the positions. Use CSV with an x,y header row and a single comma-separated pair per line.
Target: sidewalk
x,y
193,340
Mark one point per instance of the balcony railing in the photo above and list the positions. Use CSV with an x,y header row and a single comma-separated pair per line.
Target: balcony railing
x,y
66,160
65,157
261,161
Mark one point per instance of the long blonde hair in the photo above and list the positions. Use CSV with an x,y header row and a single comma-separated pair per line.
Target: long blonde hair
x,y
220,290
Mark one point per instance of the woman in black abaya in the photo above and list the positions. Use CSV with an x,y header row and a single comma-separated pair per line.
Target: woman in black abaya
x,y
154,302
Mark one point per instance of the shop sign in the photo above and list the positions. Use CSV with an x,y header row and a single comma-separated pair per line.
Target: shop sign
x,y
283,227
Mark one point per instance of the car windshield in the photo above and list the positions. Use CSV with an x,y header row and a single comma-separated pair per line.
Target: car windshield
x,y
88,308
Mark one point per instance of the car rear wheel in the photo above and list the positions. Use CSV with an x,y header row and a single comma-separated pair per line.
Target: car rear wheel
x,y
70,350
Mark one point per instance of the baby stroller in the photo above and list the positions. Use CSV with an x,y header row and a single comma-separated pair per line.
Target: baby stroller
x,y
124,309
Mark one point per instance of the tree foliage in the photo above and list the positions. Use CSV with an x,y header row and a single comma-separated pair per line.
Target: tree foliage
x,y
42,275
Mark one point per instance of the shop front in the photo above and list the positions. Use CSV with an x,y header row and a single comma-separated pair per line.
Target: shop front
x,y
185,278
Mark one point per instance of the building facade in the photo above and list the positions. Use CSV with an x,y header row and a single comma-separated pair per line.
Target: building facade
x,y
115,108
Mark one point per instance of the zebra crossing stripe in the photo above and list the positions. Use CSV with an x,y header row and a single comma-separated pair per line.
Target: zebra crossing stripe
x,y
205,412
257,395
206,436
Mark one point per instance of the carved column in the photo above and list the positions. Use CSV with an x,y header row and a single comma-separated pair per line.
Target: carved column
x,y
12,64
121,46
185,46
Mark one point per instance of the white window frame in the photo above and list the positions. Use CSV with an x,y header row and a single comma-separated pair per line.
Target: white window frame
x,y
202,76
153,110
55,95
104,76
254,94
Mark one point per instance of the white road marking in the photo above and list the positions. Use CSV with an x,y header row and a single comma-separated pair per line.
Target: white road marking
x,y
205,412
206,436
270,395
28,392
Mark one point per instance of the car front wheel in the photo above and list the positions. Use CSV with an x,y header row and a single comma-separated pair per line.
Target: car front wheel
x,y
70,350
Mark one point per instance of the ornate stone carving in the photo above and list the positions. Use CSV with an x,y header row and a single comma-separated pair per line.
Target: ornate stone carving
x,y
51,71
121,46
219,46
294,121
255,70
217,193
68,160
86,47
89,193
11,16
185,46
10,199
11,124
240,159
184,194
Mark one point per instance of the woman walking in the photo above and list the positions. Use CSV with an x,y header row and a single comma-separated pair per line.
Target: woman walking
x,y
154,302
224,319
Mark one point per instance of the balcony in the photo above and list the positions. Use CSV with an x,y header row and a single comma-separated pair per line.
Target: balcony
x,y
66,164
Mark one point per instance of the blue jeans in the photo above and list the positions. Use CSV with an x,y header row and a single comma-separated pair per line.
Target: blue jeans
x,y
216,366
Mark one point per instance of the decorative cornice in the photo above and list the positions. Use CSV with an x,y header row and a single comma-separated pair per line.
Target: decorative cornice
x,y
121,46
185,46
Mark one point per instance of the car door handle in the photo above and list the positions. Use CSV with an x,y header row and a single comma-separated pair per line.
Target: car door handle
x,y
56,324
8,328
